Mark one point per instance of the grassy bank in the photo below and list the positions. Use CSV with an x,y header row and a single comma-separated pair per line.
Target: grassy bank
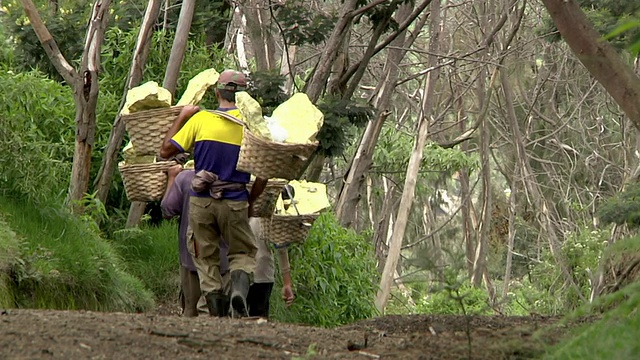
x,y
57,261
151,254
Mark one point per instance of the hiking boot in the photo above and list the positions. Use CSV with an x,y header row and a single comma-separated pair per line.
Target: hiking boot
x,y
240,283
217,303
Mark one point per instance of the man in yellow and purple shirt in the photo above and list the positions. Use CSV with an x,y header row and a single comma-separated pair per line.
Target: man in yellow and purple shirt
x,y
223,208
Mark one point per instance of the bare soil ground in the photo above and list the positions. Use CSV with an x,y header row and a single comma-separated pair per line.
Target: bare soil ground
x,y
43,334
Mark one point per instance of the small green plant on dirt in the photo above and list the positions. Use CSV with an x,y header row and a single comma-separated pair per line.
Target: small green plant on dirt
x,y
311,353
334,277
454,296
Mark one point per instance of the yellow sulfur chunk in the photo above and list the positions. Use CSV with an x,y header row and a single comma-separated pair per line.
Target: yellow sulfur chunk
x,y
145,97
198,85
309,198
300,119
252,114
131,158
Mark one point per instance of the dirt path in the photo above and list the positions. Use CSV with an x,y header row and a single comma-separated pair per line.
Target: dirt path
x,y
36,334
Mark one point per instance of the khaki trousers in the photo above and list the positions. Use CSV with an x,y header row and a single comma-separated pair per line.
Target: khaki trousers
x,y
209,220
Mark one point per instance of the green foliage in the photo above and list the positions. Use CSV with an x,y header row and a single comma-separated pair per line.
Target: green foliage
x,y
395,147
623,208
582,251
266,88
36,128
302,25
7,53
64,264
151,254
9,249
611,18
334,277
454,300
614,336
341,117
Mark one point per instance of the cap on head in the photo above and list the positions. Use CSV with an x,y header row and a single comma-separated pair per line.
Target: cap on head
x,y
232,80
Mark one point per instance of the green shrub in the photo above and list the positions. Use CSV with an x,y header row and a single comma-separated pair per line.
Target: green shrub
x,y
151,254
9,247
64,264
36,128
455,296
334,277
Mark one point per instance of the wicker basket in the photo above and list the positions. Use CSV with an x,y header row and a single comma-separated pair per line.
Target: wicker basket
x,y
148,128
282,230
267,159
145,182
265,204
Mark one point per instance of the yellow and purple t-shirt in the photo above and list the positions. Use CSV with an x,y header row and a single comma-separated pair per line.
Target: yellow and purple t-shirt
x,y
215,144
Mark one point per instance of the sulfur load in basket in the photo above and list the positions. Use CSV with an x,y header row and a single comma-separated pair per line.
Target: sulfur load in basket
x,y
148,128
283,230
294,218
265,204
145,182
278,146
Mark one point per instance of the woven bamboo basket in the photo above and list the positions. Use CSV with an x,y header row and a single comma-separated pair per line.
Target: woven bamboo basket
x,y
148,128
145,182
268,159
282,230
265,204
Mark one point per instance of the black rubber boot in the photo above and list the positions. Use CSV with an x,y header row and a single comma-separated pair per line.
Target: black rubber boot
x,y
217,303
240,283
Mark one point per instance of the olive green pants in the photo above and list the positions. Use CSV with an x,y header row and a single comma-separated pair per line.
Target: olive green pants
x,y
209,220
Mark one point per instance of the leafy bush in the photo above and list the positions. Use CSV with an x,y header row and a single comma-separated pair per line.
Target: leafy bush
x,y
455,295
623,208
36,128
582,250
334,277
64,264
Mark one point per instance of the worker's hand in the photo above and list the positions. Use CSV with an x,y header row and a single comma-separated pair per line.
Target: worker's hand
x,y
187,112
252,211
174,170
287,295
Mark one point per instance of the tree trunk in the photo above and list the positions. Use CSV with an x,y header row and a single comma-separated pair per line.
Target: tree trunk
x,y
179,46
349,195
414,164
136,210
314,170
140,55
85,89
547,216
318,82
258,29
600,58
287,69
479,261
382,228
512,233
